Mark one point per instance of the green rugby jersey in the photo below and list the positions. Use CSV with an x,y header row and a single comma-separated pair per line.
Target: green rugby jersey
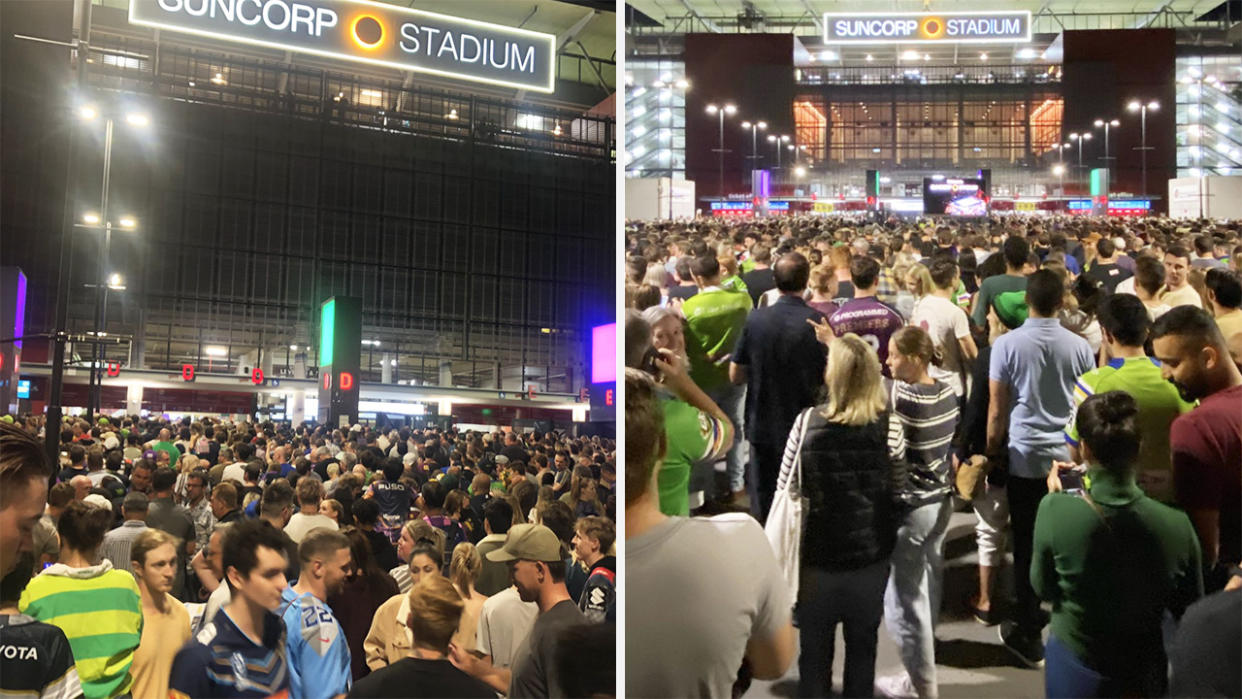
x,y
693,437
714,319
100,611
1158,404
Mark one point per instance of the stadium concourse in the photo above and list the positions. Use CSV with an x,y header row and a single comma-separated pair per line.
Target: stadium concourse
x,y
1016,441
332,548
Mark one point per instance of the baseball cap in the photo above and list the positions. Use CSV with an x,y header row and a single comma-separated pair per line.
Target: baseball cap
x,y
409,458
97,500
502,459
1011,308
528,542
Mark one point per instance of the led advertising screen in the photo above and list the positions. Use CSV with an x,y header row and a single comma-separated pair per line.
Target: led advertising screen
x,y
604,353
954,196
604,372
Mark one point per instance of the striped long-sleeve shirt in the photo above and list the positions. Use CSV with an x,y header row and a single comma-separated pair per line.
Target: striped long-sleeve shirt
x,y
100,611
928,416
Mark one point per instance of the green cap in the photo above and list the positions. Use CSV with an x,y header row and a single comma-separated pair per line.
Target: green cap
x,y
7,418
104,421
1010,308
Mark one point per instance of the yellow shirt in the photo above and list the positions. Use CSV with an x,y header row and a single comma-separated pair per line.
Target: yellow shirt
x,y
1230,323
162,636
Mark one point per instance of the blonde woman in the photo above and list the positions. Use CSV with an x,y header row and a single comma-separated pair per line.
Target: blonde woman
x,y
730,279
852,466
415,531
185,466
464,571
823,288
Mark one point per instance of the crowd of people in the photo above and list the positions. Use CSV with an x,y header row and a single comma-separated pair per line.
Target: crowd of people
x,y
1074,381
219,558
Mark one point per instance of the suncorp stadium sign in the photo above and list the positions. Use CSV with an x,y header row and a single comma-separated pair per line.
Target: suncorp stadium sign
x,y
937,28
371,32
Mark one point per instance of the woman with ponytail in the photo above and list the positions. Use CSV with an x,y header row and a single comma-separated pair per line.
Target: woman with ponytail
x,y
464,572
927,411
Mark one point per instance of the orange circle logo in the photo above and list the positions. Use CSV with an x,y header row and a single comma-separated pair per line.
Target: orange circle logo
x,y
367,31
931,28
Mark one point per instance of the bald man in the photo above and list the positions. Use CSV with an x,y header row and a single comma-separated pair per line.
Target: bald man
x,y
81,487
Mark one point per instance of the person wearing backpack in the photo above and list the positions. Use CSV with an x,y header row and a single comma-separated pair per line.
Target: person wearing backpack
x,y
1111,561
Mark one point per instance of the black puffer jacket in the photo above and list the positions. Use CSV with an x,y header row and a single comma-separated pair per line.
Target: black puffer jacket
x,y
849,479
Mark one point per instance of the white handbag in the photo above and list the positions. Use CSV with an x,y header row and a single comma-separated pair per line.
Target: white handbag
x,y
787,519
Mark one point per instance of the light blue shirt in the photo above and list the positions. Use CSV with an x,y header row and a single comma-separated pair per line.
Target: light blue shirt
x,y
317,650
1039,361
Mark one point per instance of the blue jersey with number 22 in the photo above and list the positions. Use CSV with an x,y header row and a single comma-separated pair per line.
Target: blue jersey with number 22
x,y
317,649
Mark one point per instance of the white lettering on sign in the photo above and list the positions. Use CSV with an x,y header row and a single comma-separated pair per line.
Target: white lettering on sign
x,y
929,27
19,652
431,41
276,15
371,32
984,27
886,28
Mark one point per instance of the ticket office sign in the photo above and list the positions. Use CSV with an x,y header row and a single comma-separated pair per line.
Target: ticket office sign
x,y
927,27
369,32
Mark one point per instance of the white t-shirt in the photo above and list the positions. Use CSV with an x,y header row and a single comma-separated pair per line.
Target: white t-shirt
x,y
946,322
504,624
234,472
300,525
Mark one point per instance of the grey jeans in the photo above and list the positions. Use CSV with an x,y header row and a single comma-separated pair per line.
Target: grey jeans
x,y
912,598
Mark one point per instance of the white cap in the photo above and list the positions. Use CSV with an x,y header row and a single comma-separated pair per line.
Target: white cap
x,y
98,501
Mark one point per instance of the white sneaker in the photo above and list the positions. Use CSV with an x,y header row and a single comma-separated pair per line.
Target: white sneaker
x,y
896,686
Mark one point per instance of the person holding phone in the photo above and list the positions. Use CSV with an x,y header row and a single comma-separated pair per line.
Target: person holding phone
x,y
698,430
1111,561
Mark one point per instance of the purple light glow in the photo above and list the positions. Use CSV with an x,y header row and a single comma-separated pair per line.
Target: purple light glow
x,y
19,326
604,353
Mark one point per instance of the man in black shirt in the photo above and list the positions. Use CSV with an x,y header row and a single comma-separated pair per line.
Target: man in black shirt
x,y
37,660
77,464
513,449
1105,271
759,279
685,286
782,364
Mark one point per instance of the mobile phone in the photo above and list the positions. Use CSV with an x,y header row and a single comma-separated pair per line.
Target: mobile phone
x,y
1071,480
648,362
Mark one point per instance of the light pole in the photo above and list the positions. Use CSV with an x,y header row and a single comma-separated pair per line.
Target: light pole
x,y
1136,106
1059,171
1106,124
727,109
1080,138
776,142
1061,151
100,221
755,128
